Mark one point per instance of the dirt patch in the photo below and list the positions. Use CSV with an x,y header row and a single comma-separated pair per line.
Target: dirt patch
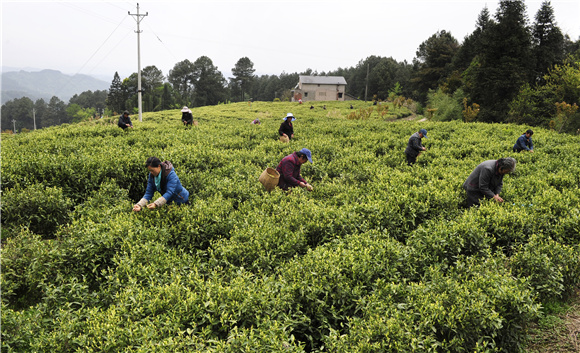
x,y
559,332
407,118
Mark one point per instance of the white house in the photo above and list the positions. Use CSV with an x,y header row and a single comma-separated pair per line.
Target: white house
x,y
320,88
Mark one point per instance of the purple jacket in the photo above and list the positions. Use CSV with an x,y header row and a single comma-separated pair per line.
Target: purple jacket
x,y
289,169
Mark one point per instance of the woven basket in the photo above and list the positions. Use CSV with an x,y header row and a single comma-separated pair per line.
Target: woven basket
x,y
269,178
284,139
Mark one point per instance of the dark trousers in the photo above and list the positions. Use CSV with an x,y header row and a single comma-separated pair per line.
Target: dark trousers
x,y
410,159
473,198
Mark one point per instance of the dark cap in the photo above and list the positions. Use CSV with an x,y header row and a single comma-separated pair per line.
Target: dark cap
x,y
126,112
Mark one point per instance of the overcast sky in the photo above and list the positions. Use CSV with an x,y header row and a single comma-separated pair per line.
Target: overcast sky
x,y
98,38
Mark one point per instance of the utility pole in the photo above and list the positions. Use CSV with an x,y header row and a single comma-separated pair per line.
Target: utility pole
x,y
138,19
34,117
367,82
14,125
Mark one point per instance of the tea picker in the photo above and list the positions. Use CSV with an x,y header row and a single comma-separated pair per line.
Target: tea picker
x,y
162,178
414,146
524,142
289,170
125,121
486,180
286,130
186,116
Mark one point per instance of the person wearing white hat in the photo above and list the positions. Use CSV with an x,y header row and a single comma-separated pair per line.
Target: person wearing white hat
x,y
186,116
286,128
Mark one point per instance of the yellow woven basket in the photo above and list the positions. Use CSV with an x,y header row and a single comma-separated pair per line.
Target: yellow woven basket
x,y
269,178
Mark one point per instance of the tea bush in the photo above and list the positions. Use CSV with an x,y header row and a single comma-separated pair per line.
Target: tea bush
x,y
41,209
379,257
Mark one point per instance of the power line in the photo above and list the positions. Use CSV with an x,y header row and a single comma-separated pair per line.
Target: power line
x,y
110,51
96,51
88,12
166,47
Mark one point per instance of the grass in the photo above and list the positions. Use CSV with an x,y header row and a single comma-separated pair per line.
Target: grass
x,y
559,329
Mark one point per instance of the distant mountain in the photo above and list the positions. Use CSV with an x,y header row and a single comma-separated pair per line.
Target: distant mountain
x,y
47,83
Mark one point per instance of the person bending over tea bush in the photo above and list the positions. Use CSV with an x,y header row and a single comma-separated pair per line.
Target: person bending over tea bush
x,y
186,116
524,142
414,146
286,128
289,169
162,178
125,121
486,180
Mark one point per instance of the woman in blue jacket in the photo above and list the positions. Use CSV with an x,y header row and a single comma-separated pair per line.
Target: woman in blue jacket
x,y
162,178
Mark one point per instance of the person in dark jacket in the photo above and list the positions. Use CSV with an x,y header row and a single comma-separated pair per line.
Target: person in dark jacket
x,y
186,116
414,146
125,121
486,180
524,142
286,128
289,169
162,178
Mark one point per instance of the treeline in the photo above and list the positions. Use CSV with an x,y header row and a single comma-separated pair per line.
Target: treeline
x,y
22,114
507,70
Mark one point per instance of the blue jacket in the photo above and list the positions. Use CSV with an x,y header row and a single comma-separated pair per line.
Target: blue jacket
x,y
524,143
171,187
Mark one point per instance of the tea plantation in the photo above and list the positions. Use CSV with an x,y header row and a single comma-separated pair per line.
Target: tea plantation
x,y
380,257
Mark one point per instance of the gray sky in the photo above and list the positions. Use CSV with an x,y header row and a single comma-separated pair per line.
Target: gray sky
x,y
98,38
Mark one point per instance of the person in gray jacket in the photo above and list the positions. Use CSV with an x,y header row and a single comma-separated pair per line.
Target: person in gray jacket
x,y
486,180
414,146
125,121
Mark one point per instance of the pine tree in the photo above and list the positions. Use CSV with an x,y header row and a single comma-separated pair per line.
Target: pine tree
x,y
181,78
209,83
433,62
115,98
471,45
548,41
244,74
504,63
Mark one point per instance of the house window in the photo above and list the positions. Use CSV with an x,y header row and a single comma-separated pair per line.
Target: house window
x,y
305,94
339,95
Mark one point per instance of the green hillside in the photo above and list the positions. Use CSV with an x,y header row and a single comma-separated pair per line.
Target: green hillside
x,y
380,257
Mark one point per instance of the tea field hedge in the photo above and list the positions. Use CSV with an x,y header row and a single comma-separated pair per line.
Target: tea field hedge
x,y
380,257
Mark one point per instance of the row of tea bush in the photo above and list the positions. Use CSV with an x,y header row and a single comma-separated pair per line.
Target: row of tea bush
x,y
380,257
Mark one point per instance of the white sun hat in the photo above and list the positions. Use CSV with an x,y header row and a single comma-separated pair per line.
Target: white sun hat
x,y
288,116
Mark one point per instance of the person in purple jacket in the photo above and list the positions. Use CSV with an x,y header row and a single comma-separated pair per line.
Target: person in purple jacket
x,y
162,178
289,169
